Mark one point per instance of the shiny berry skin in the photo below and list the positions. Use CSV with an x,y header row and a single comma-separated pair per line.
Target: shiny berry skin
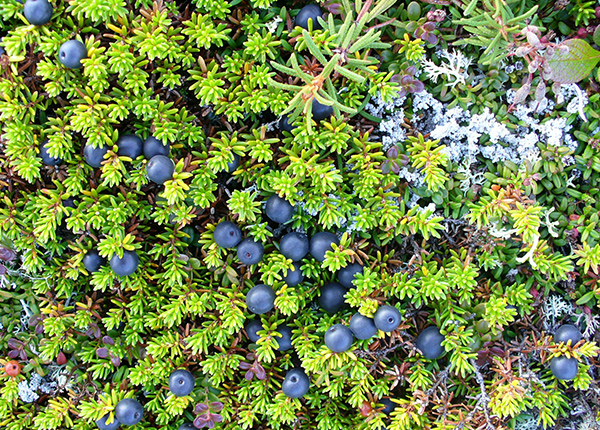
x,y
160,169
252,329
12,368
47,159
339,338
260,299
564,368
295,384
129,412
321,111
71,53
320,243
130,146
227,234
388,405
187,426
152,146
181,382
597,12
101,423
429,342
363,327
387,318
92,261
582,33
310,11
233,164
250,252
38,12
284,124
285,341
294,277
332,297
346,274
125,266
94,156
567,332
294,246
278,209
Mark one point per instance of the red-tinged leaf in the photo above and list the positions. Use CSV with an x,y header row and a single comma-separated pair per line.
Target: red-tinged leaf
x,y
573,60
200,408
260,373
216,406
107,340
102,352
217,418
14,343
61,359
200,422
115,360
249,375
245,366
14,353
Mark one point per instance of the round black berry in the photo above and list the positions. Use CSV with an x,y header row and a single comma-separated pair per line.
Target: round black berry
x,y
130,146
160,169
71,53
388,405
564,368
294,276
260,299
429,342
129,412
310,11
278,209
38,12
181,382
227,234
320,111
152,146
285,341
92,261
387,318
295,384
284,124
252,329
347,274
47,159
94,156
363,327
294,246
233,164
338,338
250,252
332,297
567,332
125,266
187,426
320,243
101,423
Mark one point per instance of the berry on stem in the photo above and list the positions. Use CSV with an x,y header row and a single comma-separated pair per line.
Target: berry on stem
x,y
278,209
38,12
101,423
332,297
310,11
160,169
295,384
227,234
125,266
152,146
250,252
347,274
294,276
363,327
320,243
564,368
567,332
387,318
181,382
294,246
129,412
429,342
252,329
47,159
339,338
71,53
260,299
93,261
130,146
94,156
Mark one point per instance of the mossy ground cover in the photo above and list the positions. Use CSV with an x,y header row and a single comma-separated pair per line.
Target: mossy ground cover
x,y
451,147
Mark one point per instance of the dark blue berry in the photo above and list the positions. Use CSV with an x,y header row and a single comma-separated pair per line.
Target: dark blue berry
x,y
129,412
130,146
294,246
233,164
187,426
295,384
38,12
101,423
125,266
250,252
363,327
160,169
284,124
321,111
71,53
227,234
339,338
332,297
152,146
294,276
260,299
320,243
92,261
347,274
388,405
310,11
387,318
46,157
252,329
285,341
94,156
567,332
564,368
278,209
181,382
429,342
